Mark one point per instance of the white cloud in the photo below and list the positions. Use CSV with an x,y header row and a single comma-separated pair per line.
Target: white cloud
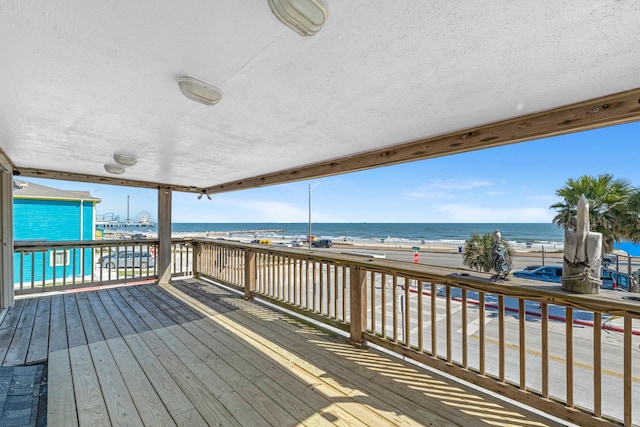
x,y
423,193
443,188
459,184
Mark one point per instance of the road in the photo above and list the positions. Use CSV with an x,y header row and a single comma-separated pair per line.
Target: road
x,y
452,260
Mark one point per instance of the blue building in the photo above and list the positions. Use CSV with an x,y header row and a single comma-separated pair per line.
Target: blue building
x,y
45,214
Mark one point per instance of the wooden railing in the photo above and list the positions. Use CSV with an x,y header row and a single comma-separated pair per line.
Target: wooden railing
x,y
51,266
568,355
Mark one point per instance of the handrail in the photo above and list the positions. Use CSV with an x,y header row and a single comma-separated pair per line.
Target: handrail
x,y
42,266
460,322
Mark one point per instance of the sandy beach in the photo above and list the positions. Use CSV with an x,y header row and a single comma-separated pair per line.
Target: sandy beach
x,y
427,246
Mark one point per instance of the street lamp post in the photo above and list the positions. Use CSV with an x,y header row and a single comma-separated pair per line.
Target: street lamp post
x,y
311,187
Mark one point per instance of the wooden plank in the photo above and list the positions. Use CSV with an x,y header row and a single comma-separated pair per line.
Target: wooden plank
x,y
569,355
407,387
198,394
544,337
197,359
628,371
356,414
299,394
501,349
91,406
173,398
61,404
259,401
371,410
17,352
119,403
39,346
149,405
8,327
597,364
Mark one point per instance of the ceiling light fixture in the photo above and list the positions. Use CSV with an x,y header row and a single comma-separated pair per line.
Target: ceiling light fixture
x,y
305,17
199,91
125,160
203,193
114,169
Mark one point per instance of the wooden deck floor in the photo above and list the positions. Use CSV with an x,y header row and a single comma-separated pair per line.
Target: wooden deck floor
x,y
194,354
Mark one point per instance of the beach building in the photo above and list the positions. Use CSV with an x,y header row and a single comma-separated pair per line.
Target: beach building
x,y
45,214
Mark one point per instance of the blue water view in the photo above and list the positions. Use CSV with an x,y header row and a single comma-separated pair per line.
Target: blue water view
x,y
535,233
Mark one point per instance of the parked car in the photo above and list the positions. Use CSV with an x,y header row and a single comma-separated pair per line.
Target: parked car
x,y
322,243
128,259
609,259
549,273
296,244
286,245
261,241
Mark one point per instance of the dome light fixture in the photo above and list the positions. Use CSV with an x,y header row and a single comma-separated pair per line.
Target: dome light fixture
x,y
114,169
125,160
305,17
199,91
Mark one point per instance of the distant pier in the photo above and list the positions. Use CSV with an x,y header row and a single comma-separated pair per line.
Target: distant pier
x,y
252,231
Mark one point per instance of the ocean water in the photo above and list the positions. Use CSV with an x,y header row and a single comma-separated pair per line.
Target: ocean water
x,y
536,234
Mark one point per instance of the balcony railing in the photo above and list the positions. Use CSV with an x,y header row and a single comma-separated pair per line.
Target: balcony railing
x,y
51,266
568,355
565,354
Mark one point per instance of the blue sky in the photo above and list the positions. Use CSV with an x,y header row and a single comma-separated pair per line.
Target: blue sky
x,y
515,183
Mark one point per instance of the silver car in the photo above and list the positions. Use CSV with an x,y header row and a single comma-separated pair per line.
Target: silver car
x,y
128,259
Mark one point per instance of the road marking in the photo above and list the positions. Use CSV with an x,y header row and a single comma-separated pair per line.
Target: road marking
x,y
559,359
474,326
427,323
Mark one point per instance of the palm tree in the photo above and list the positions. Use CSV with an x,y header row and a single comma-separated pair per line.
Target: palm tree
x,y
477,251
608,206
628,225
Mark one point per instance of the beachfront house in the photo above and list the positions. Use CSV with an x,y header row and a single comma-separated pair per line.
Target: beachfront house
x,y
45,214
216,96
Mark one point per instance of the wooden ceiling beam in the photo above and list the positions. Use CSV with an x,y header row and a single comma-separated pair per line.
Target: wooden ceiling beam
x,y
96,179
6,164
609,110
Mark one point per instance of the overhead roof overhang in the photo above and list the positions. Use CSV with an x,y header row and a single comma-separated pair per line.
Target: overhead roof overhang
x,y
381,83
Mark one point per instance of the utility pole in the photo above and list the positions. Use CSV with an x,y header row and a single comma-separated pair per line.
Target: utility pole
x,y
311,187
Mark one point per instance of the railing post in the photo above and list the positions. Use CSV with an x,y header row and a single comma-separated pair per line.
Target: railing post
x,y
249,273
6,235
163,258
357,309
195,261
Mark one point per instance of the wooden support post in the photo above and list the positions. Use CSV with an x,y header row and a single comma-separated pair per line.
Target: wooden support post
x,y
195,263
163,260
357,309
249,273
6,239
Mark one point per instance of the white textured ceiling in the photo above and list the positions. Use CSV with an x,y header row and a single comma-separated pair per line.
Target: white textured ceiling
x,y
82,80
